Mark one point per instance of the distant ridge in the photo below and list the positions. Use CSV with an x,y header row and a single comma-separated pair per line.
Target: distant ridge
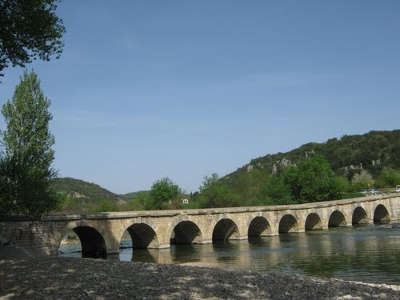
x,y
347,155
87,191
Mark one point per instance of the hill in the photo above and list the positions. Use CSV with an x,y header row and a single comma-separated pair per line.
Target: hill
x,y
351,153
347,156
79,196
133,195
79,189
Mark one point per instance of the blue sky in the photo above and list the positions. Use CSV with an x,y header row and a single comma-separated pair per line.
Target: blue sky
x,y
148,89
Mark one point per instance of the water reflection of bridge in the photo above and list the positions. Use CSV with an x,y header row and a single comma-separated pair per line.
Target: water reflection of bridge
x,y
101,234
342,251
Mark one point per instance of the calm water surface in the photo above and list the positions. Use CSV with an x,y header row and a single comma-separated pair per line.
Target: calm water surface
x,y
368,253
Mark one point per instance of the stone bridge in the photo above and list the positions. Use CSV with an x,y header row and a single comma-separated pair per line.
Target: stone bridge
x,y
101,234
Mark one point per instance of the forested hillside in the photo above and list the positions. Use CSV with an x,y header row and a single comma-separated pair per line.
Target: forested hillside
x,y
80,189
348,155
77,195
358,161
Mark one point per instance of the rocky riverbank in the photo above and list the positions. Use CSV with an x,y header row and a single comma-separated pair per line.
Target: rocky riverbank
x,y
69,278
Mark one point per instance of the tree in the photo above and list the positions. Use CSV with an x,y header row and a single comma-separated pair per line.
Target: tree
x,y
25,166
388,178
275,192
162,192
209,181
215,193
29,29
312,180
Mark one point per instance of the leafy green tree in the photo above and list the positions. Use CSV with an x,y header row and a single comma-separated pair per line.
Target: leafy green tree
x,y
342,184
209,181
25,169
275,192
29,30
162,193
215,193
312,180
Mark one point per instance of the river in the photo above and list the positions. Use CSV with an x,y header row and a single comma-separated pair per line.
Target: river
x,y
368,253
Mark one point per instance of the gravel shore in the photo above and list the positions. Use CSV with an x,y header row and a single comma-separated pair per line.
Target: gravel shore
x,y
71,278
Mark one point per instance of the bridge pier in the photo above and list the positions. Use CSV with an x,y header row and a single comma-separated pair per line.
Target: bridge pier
x,y
206,242
112,252
163,246
324,227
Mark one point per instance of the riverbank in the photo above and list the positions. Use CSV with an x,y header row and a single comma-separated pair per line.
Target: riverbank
x,y
69,278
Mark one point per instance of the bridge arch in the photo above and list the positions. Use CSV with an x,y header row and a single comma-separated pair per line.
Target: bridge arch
x,y
288,223
337,219
259,226
313,222
92,242
359,216
142,235
224,230
186,233
381,214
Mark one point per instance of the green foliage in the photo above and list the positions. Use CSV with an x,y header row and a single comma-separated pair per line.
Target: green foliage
x,y
27,137
25,171
69,205
214,193
343,183
105,206
78,196
132,195
275,192
362,180
163,192
209,182
347,156
24,190
139,201
29,30
388,178
312,181
349,195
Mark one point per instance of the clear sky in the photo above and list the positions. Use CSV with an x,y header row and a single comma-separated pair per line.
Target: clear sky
x,y
148,89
